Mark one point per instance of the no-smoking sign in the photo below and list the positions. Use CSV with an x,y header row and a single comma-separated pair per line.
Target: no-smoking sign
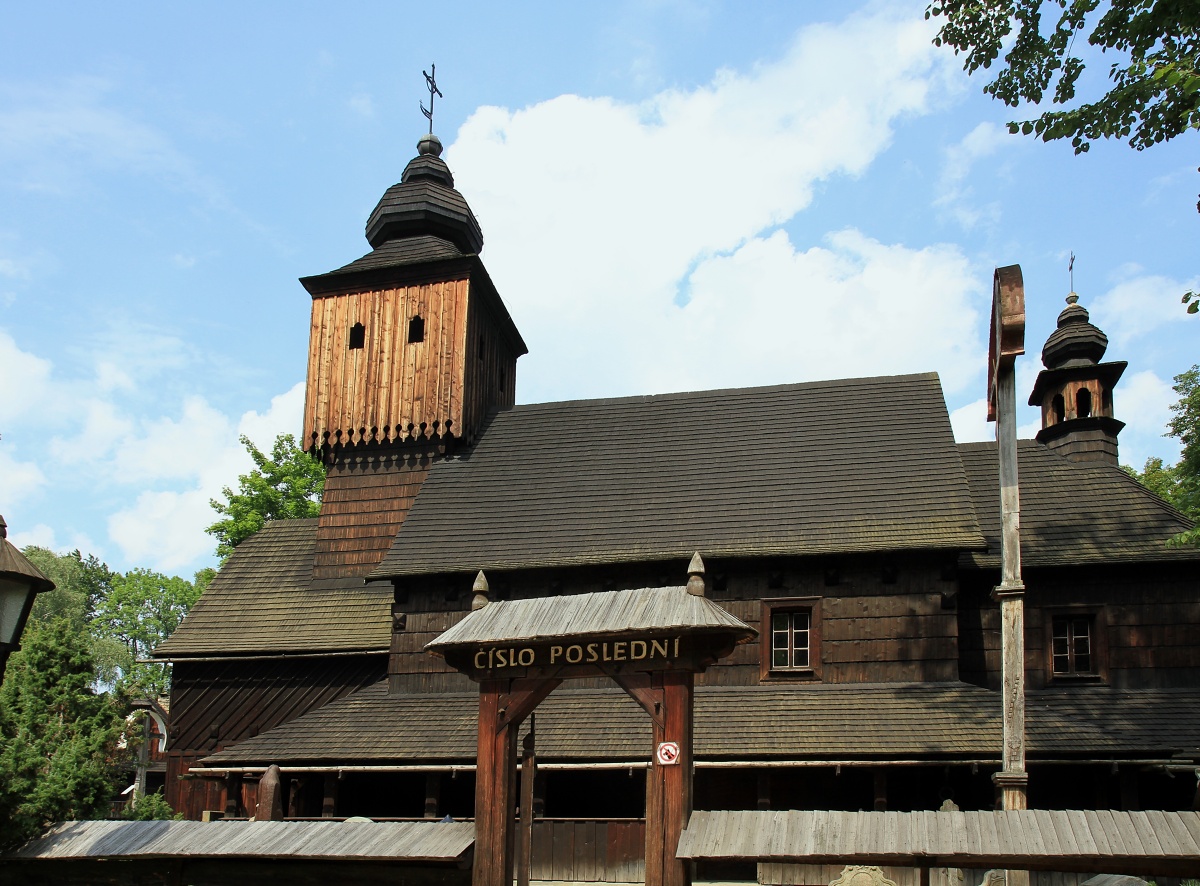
x,y
667,754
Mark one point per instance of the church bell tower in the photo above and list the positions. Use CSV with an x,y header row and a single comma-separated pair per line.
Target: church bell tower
x,y
410,348
1075,390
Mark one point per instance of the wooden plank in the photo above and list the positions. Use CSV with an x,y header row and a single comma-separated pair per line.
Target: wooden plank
x,y
564,850
584,868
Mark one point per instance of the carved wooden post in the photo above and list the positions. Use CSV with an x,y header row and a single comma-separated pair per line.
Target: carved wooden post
x,y
1008,341
270,796
492,797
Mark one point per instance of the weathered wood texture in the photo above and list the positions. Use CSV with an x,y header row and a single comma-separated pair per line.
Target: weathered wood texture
x,y
1147,627
393,390
904,629
589,851
389,386
367,496
803,874
214,704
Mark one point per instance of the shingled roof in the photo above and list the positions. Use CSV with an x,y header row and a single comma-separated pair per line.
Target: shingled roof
x,y
264,599
836,466
1072,512
842,722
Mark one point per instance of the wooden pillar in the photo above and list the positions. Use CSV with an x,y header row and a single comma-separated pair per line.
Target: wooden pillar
x,y
270,796
880,790
503,704
669,787
1013,779
528,777
764,789
433,794
233,794
329,796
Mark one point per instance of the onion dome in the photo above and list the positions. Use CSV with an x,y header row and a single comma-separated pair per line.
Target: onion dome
x,y
425,203
1076,342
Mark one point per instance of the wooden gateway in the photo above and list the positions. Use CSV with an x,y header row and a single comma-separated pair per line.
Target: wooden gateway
x,y
650,641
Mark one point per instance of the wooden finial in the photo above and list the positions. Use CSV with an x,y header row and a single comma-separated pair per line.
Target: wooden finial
x,y
695,583
481,591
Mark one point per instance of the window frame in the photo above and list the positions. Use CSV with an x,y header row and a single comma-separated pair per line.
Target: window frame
x,y
1099,643
775,605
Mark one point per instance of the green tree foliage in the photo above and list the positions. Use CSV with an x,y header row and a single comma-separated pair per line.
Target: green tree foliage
x,y
284,486
151,807
80,584
1179,484
1155,79
57,735
141,610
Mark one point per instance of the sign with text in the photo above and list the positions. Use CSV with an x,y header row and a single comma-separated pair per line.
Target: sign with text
x,y
610,654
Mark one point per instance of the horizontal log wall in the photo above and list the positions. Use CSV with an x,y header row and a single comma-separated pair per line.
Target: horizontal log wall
x,y
872,630
1149,618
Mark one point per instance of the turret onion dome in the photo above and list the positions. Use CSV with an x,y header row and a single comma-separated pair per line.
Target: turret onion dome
x,y
425,203
1076,342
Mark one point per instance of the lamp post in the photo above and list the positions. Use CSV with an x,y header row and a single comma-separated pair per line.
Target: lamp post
x,y
20,582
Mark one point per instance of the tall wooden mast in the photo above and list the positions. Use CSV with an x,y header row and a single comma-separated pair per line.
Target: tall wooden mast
x,y
1007,343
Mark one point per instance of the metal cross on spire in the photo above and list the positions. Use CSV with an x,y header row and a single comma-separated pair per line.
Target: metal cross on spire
x,y
431,85
1070,266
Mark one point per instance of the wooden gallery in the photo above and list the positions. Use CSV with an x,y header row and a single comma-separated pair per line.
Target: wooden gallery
x,y
835,647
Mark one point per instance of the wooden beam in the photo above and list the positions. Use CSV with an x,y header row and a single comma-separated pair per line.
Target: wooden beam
x,y
521,698
640,689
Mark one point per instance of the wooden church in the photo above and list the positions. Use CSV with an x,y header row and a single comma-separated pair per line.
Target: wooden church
x,y
838,518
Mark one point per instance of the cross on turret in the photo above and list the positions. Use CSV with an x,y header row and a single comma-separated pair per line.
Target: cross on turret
x,y
431,85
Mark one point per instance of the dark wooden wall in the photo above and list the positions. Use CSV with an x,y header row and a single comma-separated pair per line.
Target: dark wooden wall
x,y
1147,618
214,704
488,363
882,619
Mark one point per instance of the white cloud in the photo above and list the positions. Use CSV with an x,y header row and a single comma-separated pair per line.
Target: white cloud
x,y
41,536
199,452
849,308
970,423
612,211
32,374
1143,401
164,529
1140,304
953,193
18,479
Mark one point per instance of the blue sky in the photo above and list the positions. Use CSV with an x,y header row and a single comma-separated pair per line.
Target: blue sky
x,y
673,195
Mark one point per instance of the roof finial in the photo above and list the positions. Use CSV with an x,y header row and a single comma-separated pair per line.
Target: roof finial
x,y
695,583
431,85
3,528
1072,298
481,591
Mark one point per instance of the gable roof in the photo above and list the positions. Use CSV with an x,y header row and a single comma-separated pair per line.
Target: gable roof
x,y
1072,512
264,599
853,465
643,610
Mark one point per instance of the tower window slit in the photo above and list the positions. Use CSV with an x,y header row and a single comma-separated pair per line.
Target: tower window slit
x,y
1083,403
1060,409
358,336
416,330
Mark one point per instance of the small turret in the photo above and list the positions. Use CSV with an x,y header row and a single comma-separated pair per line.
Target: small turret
x,y
1075,390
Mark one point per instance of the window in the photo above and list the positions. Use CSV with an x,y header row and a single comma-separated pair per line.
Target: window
x,y
416,330
1076,639
791,638
358,335
1083,403
1072,650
